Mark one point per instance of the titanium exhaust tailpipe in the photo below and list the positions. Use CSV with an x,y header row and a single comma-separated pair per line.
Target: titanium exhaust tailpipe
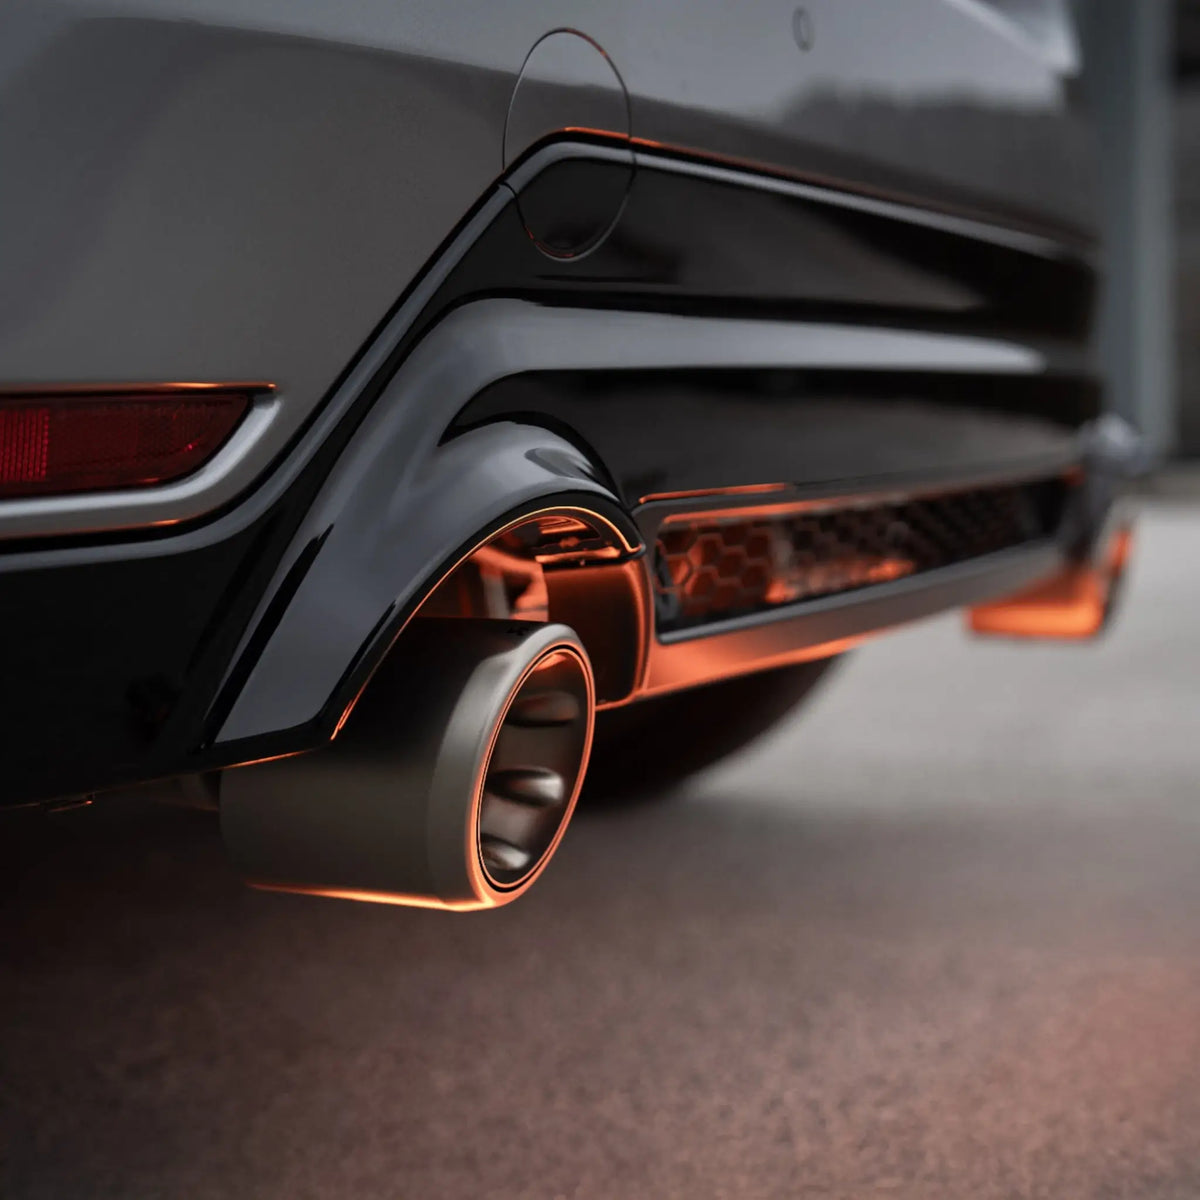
x,y
449,786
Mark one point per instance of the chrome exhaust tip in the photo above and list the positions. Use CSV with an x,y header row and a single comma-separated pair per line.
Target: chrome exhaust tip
x,y
450,785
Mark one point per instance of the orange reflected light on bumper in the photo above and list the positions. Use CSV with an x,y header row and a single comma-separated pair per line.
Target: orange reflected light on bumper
x,y
1074,605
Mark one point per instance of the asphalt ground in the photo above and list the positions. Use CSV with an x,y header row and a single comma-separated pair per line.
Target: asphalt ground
x,y
937,937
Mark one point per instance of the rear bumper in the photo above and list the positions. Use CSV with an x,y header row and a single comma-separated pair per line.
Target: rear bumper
x,y
117,656
653,382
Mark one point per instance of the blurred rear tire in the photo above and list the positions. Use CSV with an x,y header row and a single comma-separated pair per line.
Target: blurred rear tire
x,y
646,748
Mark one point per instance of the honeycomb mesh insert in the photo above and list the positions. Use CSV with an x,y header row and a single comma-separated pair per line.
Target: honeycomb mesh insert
x,y
714,568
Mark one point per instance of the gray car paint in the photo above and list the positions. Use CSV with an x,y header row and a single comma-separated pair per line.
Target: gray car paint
x,y
241,189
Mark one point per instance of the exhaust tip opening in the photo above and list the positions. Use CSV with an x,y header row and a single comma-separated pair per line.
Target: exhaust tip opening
x,y
534,768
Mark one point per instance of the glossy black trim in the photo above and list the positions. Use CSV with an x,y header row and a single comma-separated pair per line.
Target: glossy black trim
x,y
711,568
401,480
390,526
819,628
851,614
814,428
705,232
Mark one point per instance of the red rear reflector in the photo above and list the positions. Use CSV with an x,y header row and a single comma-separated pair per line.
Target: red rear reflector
x,y
50,445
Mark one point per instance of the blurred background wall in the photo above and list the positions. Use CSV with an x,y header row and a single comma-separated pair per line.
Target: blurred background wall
x,y
1142,82
1186,176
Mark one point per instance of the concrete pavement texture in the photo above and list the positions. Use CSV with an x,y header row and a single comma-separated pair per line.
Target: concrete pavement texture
x,y
939,936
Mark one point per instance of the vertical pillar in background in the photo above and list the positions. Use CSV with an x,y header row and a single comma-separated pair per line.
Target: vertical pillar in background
x,y
1128,49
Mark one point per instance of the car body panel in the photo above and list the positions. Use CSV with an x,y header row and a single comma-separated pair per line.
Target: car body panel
x,y
312,195
200,189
